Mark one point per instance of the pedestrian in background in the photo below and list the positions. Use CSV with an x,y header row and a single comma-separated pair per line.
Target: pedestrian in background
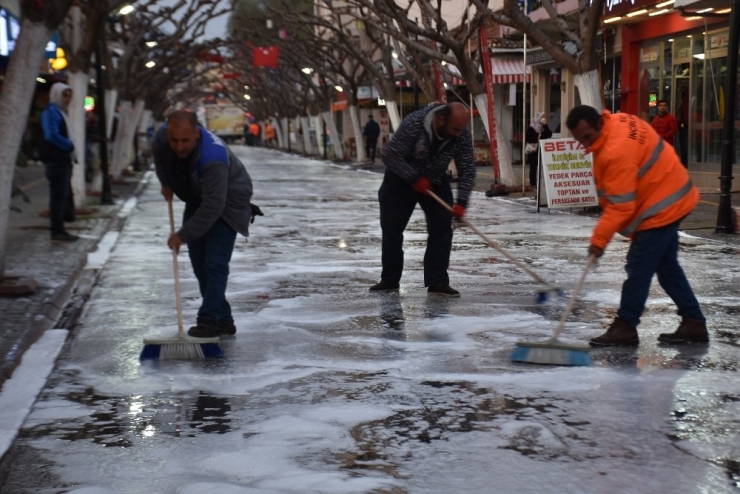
x,y
645,192
537,130
664,123
255,130
371,133
57,154
416,161
201,170
269,135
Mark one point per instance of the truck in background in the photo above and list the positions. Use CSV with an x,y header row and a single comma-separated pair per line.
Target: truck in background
x,y
225,120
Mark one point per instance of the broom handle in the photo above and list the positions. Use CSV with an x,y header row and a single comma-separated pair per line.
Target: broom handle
x,y
489,241
176,267
571,302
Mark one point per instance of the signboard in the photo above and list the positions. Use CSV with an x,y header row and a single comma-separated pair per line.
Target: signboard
x,y
568,174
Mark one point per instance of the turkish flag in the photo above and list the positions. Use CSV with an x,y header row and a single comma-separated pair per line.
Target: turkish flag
x,y
265,56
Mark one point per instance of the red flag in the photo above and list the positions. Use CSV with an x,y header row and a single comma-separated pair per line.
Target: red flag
x,y
265,56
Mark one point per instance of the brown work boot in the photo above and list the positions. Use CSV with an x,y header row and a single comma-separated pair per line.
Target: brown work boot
x,y
620,333
689,331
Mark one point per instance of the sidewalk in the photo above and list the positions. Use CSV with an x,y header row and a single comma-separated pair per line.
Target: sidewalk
x,y
57,268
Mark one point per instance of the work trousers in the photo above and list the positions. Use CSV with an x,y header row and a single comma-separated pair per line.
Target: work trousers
x,y
398,200
655,251
210,256
61,205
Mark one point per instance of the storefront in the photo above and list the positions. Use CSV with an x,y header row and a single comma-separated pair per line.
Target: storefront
x,y
682,60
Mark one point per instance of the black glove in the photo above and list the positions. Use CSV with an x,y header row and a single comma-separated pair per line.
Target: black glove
x,y
256,211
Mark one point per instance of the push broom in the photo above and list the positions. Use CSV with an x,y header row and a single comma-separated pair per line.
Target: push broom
x,y
181,346
554,351
543,294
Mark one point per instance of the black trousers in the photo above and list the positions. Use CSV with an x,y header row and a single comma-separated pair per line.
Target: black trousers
x,y
370,146
533,171
398,200
61,205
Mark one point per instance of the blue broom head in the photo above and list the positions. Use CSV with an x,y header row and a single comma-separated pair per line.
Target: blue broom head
x,y
549,295
181,351
550,356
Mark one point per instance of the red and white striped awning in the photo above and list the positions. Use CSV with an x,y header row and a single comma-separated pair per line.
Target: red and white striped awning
x,y
504,71
508,70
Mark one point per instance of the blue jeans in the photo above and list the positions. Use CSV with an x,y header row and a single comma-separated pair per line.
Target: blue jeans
x,y
398,200
210,256
60,195
655,251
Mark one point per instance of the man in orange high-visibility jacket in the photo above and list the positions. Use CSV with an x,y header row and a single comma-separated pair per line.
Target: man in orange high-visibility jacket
x,y
645,192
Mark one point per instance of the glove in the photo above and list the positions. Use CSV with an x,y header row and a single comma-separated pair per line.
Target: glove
x,y
595,251
256,211
458,211
422,185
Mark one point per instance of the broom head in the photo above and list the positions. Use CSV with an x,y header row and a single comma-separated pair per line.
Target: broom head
x,y
552,352
181,347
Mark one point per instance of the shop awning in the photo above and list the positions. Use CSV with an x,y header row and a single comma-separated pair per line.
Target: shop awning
x,y
504,71
508,70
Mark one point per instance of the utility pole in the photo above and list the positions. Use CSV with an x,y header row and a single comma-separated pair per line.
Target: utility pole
x,y
105,195
724,214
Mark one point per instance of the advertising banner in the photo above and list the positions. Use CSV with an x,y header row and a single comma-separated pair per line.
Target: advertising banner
x,y
568,174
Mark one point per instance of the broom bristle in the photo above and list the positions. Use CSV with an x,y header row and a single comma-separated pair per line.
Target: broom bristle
x,y
181,347
551,352
549,294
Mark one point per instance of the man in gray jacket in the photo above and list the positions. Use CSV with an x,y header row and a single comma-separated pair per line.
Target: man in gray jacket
x,y
202,171
416,160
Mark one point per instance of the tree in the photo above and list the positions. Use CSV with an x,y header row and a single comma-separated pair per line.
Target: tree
x,y
573,45
39,19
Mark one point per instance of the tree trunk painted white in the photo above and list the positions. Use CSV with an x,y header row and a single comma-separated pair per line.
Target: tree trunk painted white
x,y
111,98
589,89
354,115
319,127
15,100
392,108
129,121
285,125
298,141
334,137
78,81
277,125
306,125
508,177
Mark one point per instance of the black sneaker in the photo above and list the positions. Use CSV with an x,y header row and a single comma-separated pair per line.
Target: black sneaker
x,y
445,290
64,237
384,286
207,329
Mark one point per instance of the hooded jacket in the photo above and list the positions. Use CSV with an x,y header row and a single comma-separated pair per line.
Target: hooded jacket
x,y
408,154
211,181
640,180
56,146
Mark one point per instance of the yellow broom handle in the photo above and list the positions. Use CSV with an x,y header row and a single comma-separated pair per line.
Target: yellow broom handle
x,y
572,301
177,272
490,242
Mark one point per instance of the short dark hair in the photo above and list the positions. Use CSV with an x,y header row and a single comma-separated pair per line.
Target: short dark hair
x,y
370,116
179,117
662,101
583,112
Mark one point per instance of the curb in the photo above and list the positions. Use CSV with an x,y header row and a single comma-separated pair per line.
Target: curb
x,y
56,309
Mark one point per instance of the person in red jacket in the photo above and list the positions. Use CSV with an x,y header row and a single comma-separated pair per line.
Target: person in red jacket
x,y
664,123
645,192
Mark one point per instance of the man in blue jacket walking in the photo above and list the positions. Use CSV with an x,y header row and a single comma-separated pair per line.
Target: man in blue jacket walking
x,y
416,160
201,170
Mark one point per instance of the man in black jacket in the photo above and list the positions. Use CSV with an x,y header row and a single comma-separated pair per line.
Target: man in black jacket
x,y
371,133
416,160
